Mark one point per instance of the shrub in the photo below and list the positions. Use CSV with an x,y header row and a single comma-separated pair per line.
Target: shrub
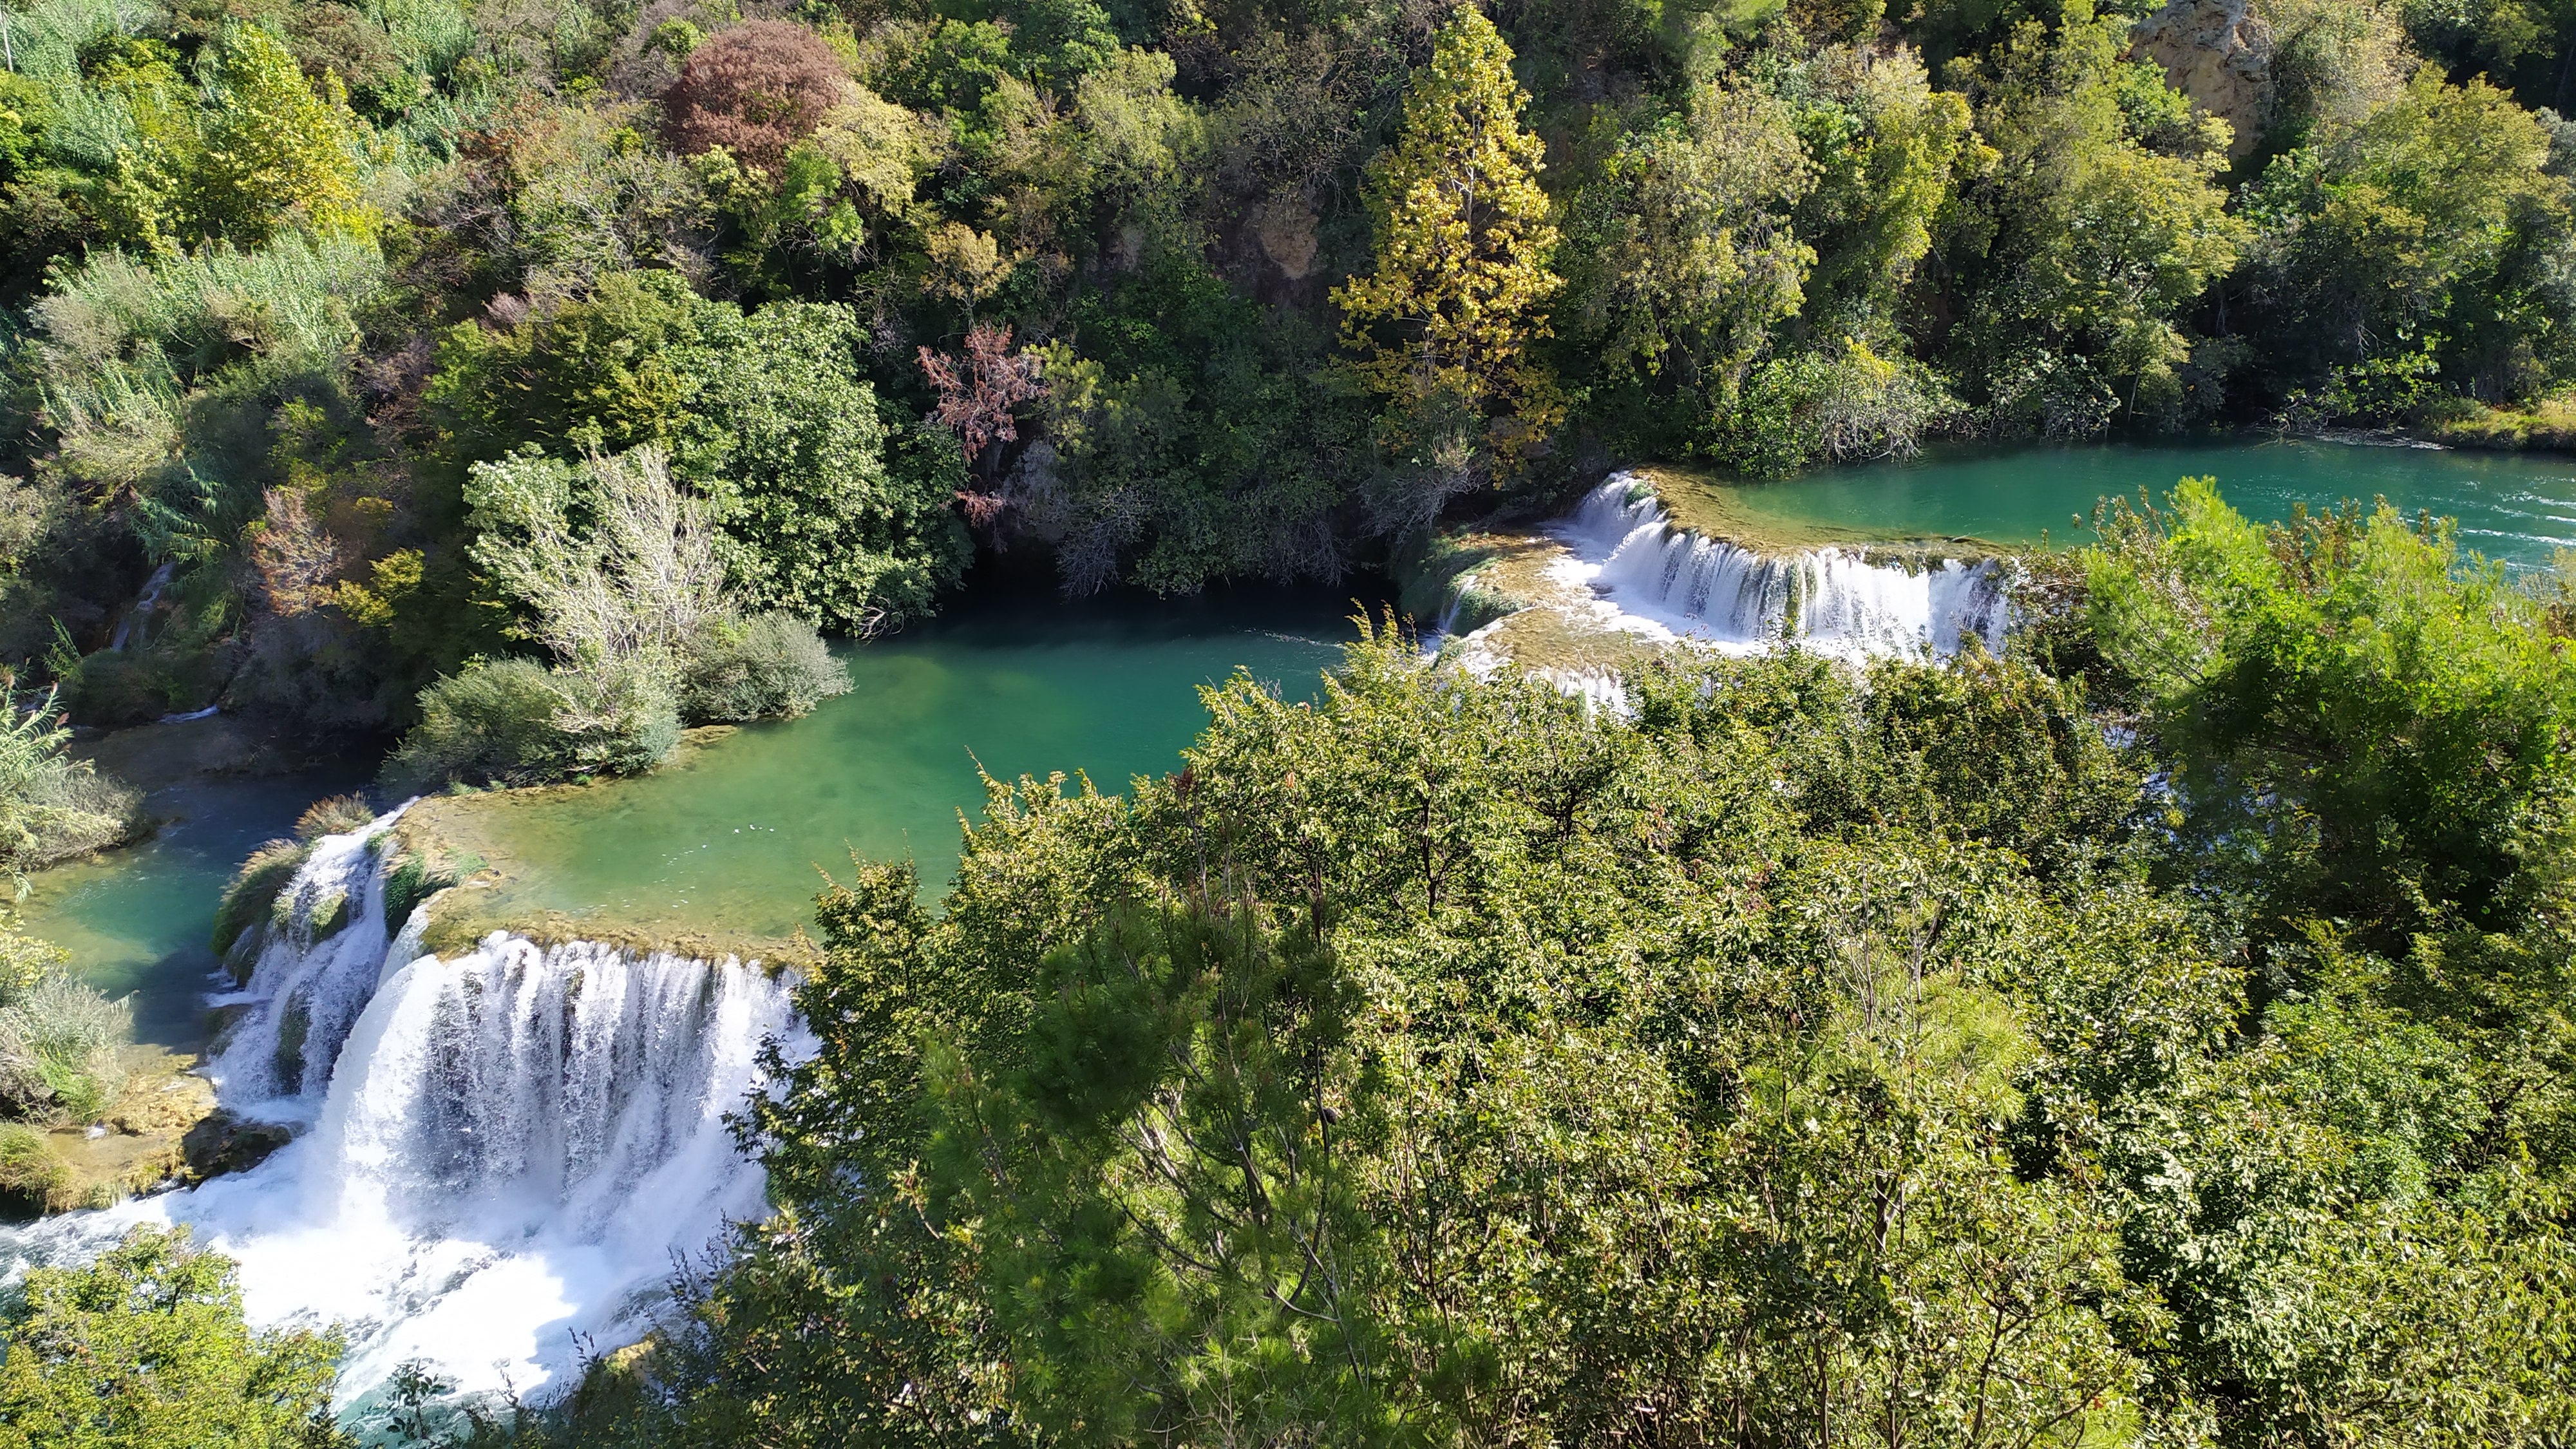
x,y
130,687
1816,406
337,815
254,890
770,666
516,722
23,958
52,807
491,721
415,878
755,90
58,1044
31,1176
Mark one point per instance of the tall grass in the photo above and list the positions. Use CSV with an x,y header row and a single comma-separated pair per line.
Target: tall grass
x,y
52,807
253,893
58,1048
290,305
44,38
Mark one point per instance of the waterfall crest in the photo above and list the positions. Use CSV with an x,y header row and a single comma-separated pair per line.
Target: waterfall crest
x,y
504,1151
1835,600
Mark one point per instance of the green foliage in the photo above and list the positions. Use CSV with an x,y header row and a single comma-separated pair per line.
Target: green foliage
x,y
1444,323
52,807
1814,407
2426,237
146,1349
516,722
2099,226
1681,252
769,666
787,442
289,270
1417,1065
2371,731
59,1040
254,890
31,1176
1857,1055
273,150
333,815
821,511
416,876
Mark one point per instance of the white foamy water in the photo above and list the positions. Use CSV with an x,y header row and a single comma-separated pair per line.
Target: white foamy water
x,y
502,1153
1666,581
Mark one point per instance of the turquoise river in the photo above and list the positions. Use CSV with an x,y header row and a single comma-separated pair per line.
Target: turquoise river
x,y
1022,682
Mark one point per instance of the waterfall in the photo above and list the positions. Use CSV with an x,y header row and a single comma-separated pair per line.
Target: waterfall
x,y
315,972
1835,600
504,1151
138,620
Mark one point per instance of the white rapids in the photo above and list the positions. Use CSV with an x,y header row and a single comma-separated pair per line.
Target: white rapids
x,y
502,1154
1665,581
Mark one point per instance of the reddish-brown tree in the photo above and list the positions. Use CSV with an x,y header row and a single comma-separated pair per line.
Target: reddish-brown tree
x,y
977,393
755,90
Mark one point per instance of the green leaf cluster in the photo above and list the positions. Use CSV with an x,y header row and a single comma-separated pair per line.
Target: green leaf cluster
x,y
146,1349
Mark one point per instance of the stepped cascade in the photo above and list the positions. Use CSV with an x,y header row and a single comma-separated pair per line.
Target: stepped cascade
x,y
1835,600
502,1153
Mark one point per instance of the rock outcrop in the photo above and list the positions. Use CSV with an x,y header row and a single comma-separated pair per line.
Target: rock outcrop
x,y
2219,53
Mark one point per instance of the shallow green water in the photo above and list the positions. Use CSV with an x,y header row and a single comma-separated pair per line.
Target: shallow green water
x,y
2516,508
732,838
1027,683
139,920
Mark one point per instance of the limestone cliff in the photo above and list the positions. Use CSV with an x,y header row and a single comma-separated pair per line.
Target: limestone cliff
x,y
2218,53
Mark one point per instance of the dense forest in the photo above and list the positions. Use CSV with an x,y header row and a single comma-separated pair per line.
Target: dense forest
x,y
2158,1036
575,362
2164,1033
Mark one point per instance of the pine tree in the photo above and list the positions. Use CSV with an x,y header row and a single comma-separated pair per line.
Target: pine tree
x,y
1463,241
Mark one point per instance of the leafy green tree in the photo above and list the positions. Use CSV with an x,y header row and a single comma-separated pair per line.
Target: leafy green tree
x,y
1444,323
825,510
2379,730
2429,232
823,507
146,1349
1416,1065
1682,251
1890,154
2097,231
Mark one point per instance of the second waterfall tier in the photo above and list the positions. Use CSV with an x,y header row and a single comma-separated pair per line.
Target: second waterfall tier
x,y
1835,600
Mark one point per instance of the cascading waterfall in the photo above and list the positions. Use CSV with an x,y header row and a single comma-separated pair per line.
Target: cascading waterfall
x,y
314,973
505,1152
1831,599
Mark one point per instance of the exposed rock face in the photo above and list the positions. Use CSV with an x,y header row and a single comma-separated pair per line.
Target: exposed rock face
x,y
2218,53
1285,227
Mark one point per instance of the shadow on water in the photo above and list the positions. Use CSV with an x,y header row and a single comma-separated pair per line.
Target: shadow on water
x,y
139,920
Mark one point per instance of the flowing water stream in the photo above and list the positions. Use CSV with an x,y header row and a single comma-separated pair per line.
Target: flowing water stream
x,y
501,1148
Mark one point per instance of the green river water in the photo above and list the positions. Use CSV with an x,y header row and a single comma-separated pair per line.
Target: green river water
x,y
2515,508
732,838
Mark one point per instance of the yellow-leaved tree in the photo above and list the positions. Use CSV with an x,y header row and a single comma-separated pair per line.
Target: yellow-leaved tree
x,y
1444,324
275,150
